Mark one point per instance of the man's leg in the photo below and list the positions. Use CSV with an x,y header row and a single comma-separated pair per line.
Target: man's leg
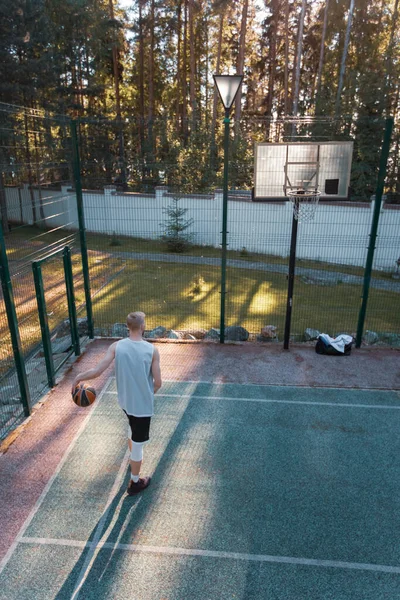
x,y
134,464
136,483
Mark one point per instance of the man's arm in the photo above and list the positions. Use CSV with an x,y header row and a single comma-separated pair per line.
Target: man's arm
x,y
156,370
99,369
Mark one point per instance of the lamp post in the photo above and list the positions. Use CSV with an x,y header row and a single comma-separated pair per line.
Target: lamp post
x,y
228,87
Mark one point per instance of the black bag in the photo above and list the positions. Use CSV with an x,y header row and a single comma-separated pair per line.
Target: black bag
x,y
323,347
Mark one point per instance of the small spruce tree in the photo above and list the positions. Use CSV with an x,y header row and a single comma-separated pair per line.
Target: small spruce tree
x,y
176,226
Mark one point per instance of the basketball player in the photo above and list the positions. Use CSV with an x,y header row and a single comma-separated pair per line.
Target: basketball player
x,y
138,374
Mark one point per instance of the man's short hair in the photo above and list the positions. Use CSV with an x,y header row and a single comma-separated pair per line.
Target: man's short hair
x,y
135,320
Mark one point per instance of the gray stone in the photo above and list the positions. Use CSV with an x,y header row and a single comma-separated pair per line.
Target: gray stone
x,y
189,336
83,326
370,337
236,333
64,329
261,338
158,332
6,389
119,330
61,344
174,335
269,331
311,334
392,339
10,400
34,363
197,333
212,334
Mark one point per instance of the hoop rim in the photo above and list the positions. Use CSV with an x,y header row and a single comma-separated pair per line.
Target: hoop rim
x,y
303,194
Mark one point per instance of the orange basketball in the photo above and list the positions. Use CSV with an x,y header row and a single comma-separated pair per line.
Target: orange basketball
x,y
84,395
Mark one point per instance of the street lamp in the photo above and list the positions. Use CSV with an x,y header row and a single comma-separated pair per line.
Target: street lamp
x,y
228,87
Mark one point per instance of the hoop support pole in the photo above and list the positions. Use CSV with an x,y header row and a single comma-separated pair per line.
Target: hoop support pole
x,y
292,265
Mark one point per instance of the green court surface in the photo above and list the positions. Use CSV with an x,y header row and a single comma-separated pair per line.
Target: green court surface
x,y
258,492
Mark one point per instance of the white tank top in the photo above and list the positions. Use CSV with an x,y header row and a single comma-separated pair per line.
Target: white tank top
x,y
135,384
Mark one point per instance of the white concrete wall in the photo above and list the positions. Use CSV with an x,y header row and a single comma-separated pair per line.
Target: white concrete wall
x,y
339,233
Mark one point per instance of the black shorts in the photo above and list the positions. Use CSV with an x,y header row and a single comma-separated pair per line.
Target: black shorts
x,y
140,428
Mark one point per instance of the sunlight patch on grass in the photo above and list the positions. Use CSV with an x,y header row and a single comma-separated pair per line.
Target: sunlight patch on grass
x,y
264,301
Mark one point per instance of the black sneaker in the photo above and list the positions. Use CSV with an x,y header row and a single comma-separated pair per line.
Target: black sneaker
x,y
139,486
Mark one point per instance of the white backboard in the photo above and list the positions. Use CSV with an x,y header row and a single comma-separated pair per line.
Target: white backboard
x,y
313,165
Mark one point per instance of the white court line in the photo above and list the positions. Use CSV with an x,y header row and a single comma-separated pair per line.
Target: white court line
x,y
291,385
99,530
42,496
262,558
272,401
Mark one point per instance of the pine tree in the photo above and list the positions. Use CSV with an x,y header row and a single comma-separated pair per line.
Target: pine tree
x,y
176,226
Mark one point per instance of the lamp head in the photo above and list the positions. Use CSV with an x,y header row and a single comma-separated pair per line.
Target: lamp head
x,y
228,87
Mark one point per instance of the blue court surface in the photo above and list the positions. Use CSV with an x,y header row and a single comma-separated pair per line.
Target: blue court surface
x,y
258,492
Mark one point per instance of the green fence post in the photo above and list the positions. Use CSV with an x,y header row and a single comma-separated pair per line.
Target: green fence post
x,y
44,325
224,227
13,325
82,230
374,228
69,283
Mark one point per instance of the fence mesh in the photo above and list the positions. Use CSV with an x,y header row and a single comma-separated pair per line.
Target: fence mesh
x,y
136,204
152,198
38,219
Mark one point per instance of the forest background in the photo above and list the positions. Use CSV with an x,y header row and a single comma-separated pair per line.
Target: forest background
x,y
138,76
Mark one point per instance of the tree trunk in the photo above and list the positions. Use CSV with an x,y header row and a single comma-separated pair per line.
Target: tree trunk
x,y
37,160
215,98
240,63
286,72
321,54
389,61
206,111
29,166
141,83
344,57
298,59
192,60
395,167
178,69
88,77
272,58
184,76
151,84
122,177
3,207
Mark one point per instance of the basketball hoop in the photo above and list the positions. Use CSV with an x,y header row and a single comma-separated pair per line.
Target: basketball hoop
x,y
304,203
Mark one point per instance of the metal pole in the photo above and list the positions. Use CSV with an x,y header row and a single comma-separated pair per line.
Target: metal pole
x,y
292,264
224,226
44,325
82,230
13,326
69,282
374,228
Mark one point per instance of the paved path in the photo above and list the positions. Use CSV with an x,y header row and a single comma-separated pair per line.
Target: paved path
x,y
312,276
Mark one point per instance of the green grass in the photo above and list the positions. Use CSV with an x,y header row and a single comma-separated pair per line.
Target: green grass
x,y
128,244
23,239
254,299
170,294
56,300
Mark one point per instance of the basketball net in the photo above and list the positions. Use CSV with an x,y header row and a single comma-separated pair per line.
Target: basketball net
x,y
304,203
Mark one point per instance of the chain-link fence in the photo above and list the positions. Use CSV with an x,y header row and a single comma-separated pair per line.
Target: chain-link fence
x,y
39,219
153,203
156,217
